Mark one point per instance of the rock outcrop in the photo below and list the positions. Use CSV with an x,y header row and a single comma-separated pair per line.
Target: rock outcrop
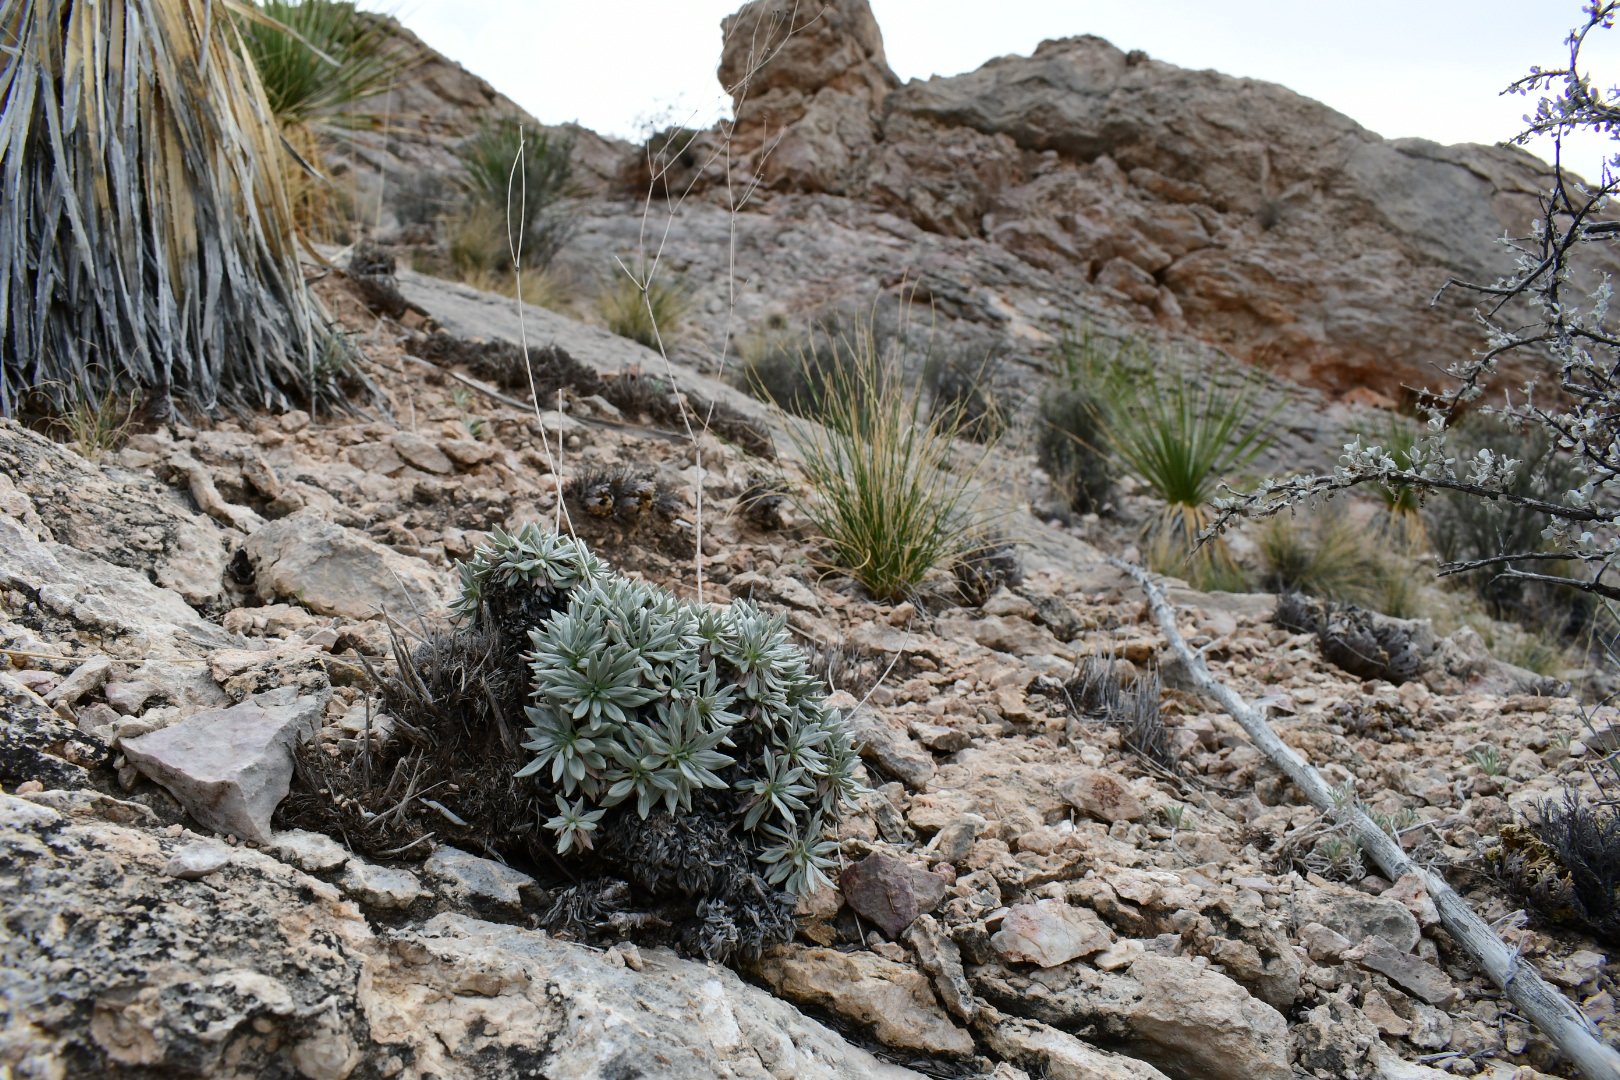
x,y
136,954
1228,209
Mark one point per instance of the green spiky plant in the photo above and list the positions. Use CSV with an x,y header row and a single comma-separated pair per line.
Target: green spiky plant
x,y
884,495
1403,511
642,703
146,240
323,63
1181,441
515,180
320,61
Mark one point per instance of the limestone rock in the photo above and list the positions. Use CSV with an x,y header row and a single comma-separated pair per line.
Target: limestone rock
x,y
114,515
334,570
894,1000
890,891
229,768
87,678
105,599
38,744
1060,1056
890,749
130,697
1411,974
1050,932
1103,795
826,77
386,887
940,958
422,453
1176,1014
313,852
1357,915
263,971
197,860
481,881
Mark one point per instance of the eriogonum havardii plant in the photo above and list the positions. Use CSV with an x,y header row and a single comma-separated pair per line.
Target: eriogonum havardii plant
x,y
641,703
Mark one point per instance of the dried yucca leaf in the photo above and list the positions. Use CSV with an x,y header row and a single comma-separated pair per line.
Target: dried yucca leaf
x,y
145,237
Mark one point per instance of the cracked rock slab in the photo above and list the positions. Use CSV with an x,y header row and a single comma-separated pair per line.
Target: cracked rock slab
x,y
230,768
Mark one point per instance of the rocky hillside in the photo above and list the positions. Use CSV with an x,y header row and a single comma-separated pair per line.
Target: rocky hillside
x,y
1069,864
1081,184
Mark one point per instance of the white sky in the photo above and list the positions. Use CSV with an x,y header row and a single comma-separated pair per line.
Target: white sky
x,y
1430,68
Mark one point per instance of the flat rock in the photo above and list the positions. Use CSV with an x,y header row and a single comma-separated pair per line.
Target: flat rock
x,y
334,570
481,881
422,452
1050,932
229,768
1179,1015
1060,1055
890,891
1416,976
939,738
938,956
130,697
105,599
197,860
1103,795
890,749
387,887
114,516
312,852
895,1001
264,971
1357,915
87,678
467,453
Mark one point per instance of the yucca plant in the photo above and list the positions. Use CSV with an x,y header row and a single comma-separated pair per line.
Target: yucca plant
x,y
145,236
322,64
320,61
1403,517
1181,441
884,495
518,178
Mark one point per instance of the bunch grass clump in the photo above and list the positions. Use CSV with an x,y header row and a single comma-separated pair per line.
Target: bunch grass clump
x,y
886,495
961,392
649,311
640,702
1069,446
1328,558
797,373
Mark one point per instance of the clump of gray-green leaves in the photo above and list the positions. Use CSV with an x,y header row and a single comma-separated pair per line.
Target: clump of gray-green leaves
x,y
654,722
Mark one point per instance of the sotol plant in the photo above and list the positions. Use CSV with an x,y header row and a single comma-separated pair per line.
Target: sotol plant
x,y
641,703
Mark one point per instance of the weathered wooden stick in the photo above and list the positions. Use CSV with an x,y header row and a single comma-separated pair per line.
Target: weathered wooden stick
x,y
1545,1007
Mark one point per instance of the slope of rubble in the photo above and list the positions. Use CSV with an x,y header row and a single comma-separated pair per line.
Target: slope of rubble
x,y
1026,892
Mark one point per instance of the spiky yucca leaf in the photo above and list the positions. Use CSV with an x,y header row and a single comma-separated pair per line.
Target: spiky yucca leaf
x,y
320,60
145,237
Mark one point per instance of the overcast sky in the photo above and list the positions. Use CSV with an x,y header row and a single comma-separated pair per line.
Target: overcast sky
x,y
1430,68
